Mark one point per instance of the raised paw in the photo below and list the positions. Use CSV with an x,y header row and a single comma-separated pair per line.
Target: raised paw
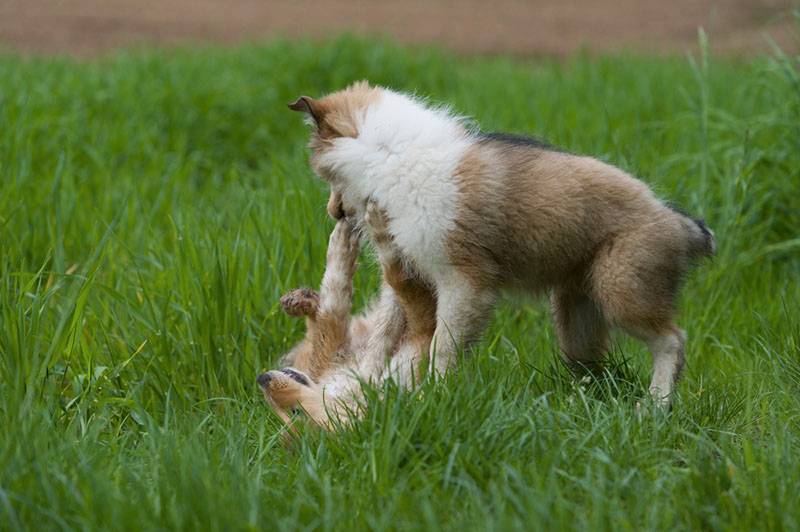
x,y
343,244
300,302
377,222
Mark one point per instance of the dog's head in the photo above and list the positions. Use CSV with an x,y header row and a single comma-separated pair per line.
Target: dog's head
x,y
283,387
336,116
283,392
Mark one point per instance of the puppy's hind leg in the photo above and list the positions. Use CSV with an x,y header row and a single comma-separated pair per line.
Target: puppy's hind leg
x,y
636,279
667,348
581,329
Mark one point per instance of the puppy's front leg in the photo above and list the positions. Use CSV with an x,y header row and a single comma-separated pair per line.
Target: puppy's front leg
x,y
376,223
336,291
415,297
387,318
335,298
463,309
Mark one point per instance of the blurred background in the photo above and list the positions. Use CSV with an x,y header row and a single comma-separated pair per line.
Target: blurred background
x,y
541,27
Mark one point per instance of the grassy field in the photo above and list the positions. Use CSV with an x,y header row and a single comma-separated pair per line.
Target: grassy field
x,y
154,205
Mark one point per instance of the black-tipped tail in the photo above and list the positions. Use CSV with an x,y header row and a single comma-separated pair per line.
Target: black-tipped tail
x,y
701,238
707,244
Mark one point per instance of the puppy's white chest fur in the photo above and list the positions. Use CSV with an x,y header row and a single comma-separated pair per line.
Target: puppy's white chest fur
x,y
404,158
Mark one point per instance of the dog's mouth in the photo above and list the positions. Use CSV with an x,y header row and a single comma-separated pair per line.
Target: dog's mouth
x,y
295,376
264,379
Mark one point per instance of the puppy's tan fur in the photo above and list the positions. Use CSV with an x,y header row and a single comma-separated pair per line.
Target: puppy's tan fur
x,y
525,216
338,114
582,227
610,252
338,352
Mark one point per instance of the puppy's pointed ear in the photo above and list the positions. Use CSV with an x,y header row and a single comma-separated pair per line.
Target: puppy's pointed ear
x,y
307,104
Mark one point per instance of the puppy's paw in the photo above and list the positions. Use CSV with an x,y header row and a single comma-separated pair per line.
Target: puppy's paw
x,y
300,302
343,243
377,222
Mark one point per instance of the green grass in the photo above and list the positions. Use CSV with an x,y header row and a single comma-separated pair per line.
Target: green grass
x,y
154,205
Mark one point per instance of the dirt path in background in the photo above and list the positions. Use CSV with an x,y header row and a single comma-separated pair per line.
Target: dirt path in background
x,y
550,27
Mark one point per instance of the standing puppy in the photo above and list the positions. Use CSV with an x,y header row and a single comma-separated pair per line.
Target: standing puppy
x,y
476,213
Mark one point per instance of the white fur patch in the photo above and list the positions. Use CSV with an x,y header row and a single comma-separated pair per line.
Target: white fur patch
x,y
340,384
404,158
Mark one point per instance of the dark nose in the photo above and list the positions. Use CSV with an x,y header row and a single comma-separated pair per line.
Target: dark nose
x,y
263,379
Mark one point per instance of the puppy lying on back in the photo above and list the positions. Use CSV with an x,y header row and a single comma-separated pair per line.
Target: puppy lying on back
x,y
339,352
476,213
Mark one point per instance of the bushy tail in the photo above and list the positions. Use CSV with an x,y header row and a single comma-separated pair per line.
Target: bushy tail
x,y
703,243
701,239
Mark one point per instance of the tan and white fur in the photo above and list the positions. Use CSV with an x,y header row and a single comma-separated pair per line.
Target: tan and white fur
x,y
327,369
475,214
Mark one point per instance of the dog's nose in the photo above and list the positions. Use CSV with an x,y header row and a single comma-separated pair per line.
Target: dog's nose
x,y
263,379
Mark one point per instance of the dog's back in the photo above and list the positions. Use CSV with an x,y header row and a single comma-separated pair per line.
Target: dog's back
x,y
534,216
